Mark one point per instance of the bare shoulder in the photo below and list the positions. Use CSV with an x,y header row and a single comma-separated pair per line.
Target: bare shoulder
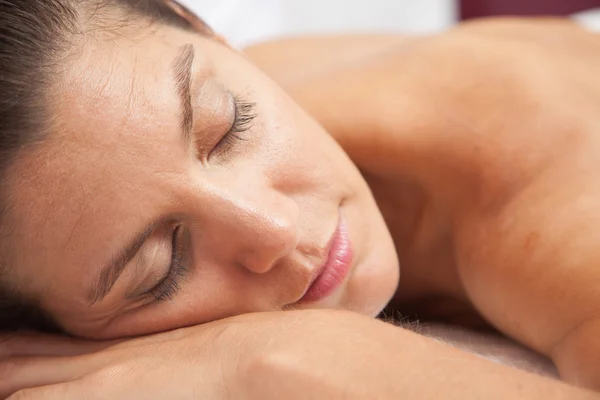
x,y
294,59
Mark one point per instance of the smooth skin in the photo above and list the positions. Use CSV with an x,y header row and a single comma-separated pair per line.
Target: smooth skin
x,y
493,131
308,354
488,135
235,219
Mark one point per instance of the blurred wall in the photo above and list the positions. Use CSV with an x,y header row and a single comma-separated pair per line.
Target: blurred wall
x,y
244,22
248,21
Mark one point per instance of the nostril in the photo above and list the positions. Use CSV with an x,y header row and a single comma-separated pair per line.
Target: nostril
x,y
273,242
257,262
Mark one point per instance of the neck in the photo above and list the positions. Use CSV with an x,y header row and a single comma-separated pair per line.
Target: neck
x,y
421,228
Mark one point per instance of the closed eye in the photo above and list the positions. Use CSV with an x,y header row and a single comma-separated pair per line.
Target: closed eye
x,y
242,122
169,285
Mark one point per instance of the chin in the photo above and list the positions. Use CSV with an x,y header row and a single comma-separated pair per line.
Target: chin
x,y
376,278
372,286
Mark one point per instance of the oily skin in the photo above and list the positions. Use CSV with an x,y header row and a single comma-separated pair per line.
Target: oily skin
x,y
257,219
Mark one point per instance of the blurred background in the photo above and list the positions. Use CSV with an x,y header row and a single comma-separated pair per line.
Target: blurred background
x,y
245,22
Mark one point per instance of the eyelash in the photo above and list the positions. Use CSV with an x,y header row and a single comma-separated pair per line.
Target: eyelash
x,y
168,287
242,122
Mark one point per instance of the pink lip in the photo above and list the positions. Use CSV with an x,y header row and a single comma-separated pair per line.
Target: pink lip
x,y
335,270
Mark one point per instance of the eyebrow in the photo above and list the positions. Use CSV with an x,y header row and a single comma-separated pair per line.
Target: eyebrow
x,y
112,270
182,69
110,273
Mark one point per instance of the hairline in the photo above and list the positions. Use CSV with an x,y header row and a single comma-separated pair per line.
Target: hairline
x,y
91,18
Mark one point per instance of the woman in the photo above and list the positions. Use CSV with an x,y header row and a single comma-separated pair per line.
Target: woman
x,y
155,179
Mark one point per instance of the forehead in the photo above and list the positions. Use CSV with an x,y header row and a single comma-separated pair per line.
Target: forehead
x,y
113,147
115,87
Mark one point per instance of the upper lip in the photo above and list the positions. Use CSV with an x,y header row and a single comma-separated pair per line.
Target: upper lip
x,y
326,258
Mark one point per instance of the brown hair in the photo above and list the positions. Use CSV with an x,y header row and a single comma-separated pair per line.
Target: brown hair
x,y
34,36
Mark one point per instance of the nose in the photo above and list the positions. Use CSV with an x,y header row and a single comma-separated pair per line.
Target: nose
x,y
248,224
264,239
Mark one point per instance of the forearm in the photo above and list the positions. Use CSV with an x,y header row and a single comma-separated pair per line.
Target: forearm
x,y
383,361
290,355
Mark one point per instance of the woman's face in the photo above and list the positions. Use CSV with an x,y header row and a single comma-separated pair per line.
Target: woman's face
x,y
179,185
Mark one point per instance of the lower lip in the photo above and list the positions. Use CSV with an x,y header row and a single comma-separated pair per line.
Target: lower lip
x,y
335,271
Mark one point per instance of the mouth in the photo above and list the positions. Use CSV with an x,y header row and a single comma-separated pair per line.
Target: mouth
x,y
334,270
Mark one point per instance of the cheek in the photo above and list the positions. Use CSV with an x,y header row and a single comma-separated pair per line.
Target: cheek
x,y
211,292
201,300
299,153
